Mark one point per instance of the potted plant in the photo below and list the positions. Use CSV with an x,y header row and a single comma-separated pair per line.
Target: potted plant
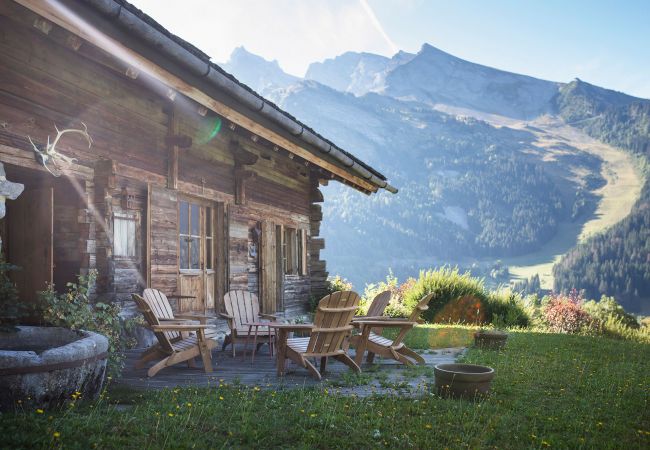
x,y
468,381
492,338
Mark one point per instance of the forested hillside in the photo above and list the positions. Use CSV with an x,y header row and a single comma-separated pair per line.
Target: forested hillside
x,y
468,189
465,186
617,262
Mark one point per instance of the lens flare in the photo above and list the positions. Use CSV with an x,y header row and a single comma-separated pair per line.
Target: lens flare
x,y
209,129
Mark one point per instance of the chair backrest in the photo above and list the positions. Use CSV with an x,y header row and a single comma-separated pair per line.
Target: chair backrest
x,y
242,306
150,317
159,305
379,304
422,306
332,323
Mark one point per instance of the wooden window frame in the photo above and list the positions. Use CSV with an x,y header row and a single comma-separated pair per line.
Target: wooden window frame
x,y
294,251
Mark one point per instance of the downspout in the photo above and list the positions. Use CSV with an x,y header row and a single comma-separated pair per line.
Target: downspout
x,y
203,68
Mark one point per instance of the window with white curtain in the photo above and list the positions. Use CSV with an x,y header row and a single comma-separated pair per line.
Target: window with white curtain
x,y
124,235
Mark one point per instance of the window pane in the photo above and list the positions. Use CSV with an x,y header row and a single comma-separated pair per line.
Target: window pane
x,y
130,234
184,216
194,220
208,253
185,253
194,253
124,236
300,254
208,222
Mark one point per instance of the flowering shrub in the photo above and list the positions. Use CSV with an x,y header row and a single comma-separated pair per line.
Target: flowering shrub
x,y
338,283
565,314
396,307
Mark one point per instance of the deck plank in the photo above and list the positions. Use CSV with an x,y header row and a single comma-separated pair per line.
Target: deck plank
x,y
240,370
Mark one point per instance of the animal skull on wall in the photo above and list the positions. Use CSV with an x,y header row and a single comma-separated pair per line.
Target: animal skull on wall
x,y
49,153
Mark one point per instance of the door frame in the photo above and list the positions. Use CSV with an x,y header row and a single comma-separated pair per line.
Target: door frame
x,y
216,209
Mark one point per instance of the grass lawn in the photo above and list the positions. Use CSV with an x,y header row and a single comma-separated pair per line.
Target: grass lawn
x,y
550,391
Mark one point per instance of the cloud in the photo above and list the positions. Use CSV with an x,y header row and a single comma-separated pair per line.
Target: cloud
x,y
294,32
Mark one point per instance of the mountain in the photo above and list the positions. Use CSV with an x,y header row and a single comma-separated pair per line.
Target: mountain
x,y
607,115
435,77
357,73
259,74
486,165
616,262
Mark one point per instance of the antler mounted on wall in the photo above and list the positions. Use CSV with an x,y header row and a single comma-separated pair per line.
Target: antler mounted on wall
x,y
49,153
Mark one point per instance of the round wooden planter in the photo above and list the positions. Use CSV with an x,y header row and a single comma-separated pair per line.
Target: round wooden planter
x,y
493,340
467,381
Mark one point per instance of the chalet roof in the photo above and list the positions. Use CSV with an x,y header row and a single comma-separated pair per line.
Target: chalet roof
x,y
348,162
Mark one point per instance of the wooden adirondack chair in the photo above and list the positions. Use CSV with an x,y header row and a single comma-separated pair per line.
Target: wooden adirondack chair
x,y
173,347
327,335
242,307
382,346
375,311
377,307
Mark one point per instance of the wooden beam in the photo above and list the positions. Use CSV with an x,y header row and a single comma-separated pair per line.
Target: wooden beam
x,y
172,148
86,31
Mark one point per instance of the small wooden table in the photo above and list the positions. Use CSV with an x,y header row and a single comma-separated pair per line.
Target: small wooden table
x,y
257,326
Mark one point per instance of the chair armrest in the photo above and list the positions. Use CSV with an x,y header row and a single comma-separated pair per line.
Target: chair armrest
x,y
385,323
199,317
358,318
269,316
292,326
177,320
179,327
225,316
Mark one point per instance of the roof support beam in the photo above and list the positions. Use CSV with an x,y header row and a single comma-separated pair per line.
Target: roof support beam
x,y
72,22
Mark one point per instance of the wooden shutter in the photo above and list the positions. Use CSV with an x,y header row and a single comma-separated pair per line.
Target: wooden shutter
x,y
268,268
162,228
303,252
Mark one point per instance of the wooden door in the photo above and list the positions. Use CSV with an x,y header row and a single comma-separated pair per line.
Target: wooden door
x,y
269,265
196,256
30,226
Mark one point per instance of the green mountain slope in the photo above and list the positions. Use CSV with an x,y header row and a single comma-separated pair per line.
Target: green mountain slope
x,y
617,262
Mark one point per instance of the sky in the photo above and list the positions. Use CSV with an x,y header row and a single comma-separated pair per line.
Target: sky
x,y
604,42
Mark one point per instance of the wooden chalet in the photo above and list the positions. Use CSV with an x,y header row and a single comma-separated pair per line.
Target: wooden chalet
x,y
192,183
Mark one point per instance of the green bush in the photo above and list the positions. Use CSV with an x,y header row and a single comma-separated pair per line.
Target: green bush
x,y
74,310
608,309
12,310
448,285
507,309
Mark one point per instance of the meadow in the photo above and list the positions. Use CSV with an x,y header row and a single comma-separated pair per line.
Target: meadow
x,y
551,390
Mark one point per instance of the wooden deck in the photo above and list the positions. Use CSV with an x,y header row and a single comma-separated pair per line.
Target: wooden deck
x,y
386,375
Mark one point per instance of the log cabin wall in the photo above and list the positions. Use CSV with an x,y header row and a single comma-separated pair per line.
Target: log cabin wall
x,y
49,76
318,267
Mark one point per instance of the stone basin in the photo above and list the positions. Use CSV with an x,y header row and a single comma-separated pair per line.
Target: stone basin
x,y
44,366
467,381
